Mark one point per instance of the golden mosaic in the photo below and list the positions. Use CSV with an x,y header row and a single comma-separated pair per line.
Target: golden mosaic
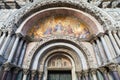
x,y
59,25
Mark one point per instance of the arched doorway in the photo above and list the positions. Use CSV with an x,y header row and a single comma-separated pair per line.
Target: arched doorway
x,y
60,66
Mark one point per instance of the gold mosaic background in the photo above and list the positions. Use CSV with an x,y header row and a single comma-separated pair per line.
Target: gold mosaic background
x,y
59,25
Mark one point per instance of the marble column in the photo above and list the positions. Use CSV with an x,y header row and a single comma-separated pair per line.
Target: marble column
x,y
114,43
104,72
8,50
94,74
79,75
7,40
108,54
33,73
113,69
7,68
116,38
15,72
13,49
2,38
19,50
22,54
40,75
109,44
101,50
97,54
25,71
86,75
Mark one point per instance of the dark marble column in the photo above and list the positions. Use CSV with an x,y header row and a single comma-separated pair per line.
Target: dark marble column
x,y
114,71
33,73
7,68
15,72
104,72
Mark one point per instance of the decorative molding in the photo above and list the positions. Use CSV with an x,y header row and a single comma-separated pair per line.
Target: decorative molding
x,y
45,40
16,19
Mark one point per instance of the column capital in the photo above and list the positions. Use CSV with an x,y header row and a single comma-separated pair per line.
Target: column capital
x,y
40,74
7,66
113,67
33,72
93,71
25,71
85,72
103,70
79,73
16,70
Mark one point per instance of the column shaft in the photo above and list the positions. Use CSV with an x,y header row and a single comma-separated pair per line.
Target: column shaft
x,y
13,50
3,48
114,43
24,77
116,75
116,38
101,50
2,39
111,49
18,52
4,77
7,52
106,48
22,55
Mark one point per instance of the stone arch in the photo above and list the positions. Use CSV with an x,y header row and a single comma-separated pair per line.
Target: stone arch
x,y
77,62
65,55
68,39
19,16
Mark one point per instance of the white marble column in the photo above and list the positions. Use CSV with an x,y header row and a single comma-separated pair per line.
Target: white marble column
x,y
22,55
2,38
114,43
25,71
112,51
108,54
94,75
8,50
116,38
101,50
7,40
19,51
13,49
97,54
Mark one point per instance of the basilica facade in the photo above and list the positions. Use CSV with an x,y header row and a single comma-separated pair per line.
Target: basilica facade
x,y
60,40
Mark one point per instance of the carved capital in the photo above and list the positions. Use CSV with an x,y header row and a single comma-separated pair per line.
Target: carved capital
x,y
113,67
25,71
79,74
93,71
103,70
33,73
7,66
114,32
40,75
16,70
85,72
